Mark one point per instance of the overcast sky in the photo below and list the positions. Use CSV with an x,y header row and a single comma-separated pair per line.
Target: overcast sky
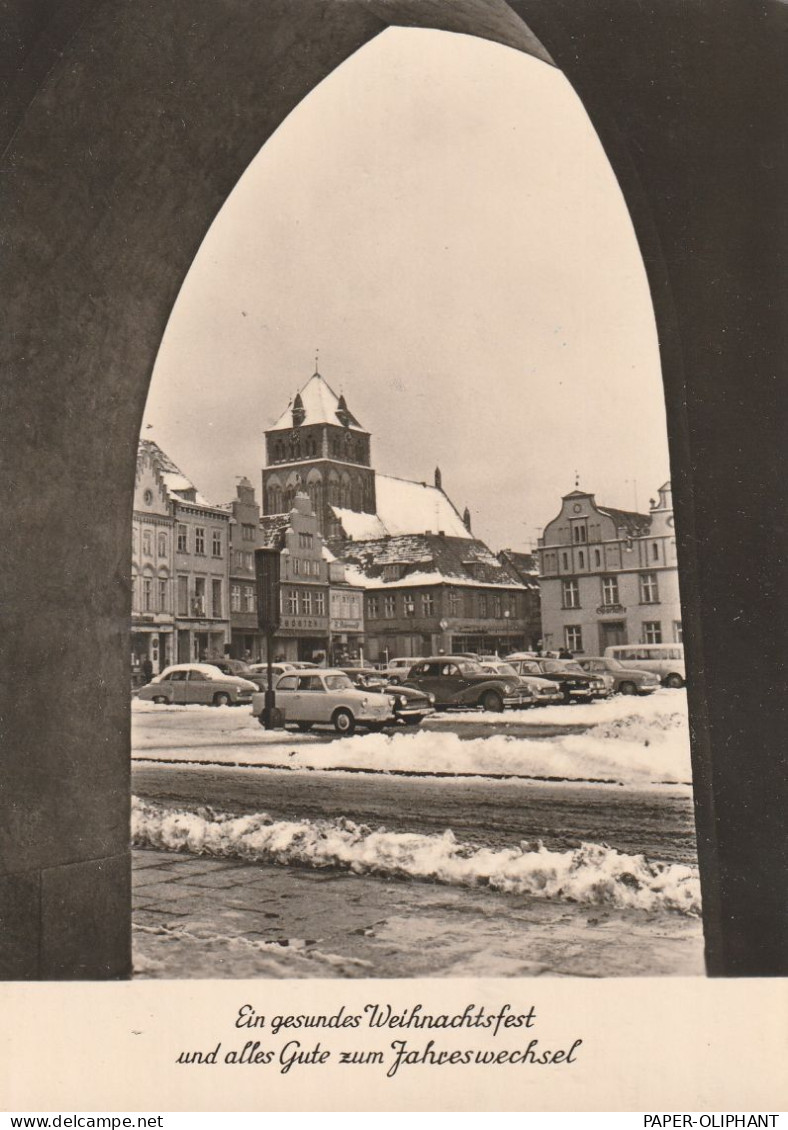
x,y
439,219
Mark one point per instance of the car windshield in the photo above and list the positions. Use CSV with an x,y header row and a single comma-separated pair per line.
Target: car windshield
x,y
338,683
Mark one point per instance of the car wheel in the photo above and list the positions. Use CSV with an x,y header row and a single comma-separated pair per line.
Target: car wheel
x,y
628,688
221,699
674,680
415,720
492,701
305,727
162,700
344,722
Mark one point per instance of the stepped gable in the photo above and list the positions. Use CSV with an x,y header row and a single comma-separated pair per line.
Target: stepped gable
x,y
175,482
425,559
317,403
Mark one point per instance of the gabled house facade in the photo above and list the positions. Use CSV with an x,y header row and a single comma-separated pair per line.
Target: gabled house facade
x,y
609,576
152,545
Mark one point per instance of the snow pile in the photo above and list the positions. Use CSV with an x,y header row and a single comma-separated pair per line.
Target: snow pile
x,y
591,874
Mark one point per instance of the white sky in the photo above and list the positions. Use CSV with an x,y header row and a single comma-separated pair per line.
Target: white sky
x,y
439,218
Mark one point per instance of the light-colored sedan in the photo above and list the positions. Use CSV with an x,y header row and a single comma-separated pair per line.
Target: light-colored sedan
x,y
197,684
626,680
544,691
326,696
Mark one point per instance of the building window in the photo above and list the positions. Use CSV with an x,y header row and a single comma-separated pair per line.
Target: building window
x,y
454,602
678,632
497,607
655,551
198,604
649,592
610,590
216,597
199,540
292,602
565,559
373,607
250,603
183,539
392,572
248,560
597,558
162,539
579,533
134,540
582,559
570,594
573,637
235,598
409,604
305,540
247,532
183,596
320,604
306,603
147,603
134,592
389,607
296,566
482,605
162,595
427,604
147,545
652,631
216,543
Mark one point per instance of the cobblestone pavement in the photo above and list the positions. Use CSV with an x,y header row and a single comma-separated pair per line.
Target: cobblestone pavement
x,y
196,916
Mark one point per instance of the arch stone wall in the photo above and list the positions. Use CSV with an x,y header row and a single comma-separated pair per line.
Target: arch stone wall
x,y
124,127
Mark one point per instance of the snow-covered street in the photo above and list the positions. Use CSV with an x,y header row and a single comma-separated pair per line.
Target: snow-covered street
x,y
636,741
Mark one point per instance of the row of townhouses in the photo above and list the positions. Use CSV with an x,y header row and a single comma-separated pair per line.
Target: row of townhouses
x,y
373,566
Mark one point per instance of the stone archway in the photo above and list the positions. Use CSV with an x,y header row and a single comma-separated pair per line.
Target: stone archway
x,y
125,127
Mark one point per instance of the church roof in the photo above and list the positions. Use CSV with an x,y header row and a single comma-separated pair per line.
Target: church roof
x,y
320,404
403,507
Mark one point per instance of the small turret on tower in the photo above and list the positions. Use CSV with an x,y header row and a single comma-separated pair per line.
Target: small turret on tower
x,y
466,519
438,479
298,411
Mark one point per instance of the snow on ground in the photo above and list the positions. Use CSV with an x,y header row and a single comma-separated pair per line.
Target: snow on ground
x,y
592,874
634,741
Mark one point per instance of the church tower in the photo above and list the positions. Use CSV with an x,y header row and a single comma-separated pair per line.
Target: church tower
x,y
318,446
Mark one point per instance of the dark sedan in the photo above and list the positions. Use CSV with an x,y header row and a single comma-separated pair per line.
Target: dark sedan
x,y
460,682
410,705
576,684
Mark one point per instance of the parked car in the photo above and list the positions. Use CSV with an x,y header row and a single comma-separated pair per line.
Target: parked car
x,y
663,659
242,669
456,681
397,669
326,696
626,680
545,691
410,705
193,683
260,672
576,685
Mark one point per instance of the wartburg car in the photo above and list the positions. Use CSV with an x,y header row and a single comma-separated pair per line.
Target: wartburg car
x,y
326,696
197,683
456,681
626,680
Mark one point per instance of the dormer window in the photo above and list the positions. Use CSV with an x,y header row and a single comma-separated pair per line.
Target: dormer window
x,y
392,572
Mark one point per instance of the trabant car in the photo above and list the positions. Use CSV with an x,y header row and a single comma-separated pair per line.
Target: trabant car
x,y
456,681
626,680
545,691
326,696
197,683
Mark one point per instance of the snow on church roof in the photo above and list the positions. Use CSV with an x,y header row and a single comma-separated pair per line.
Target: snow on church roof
x,y
403,507
320,404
